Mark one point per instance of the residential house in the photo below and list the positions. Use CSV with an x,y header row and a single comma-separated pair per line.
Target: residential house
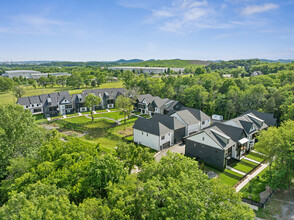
x,y
148,104
51,104
220,142
194,119
152,133
217,144
177,127
107,96
256,73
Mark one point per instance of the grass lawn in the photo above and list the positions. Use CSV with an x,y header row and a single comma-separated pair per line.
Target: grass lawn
x,y
256,156
112,115
78,120
244,165
123,130
106,144
254,187
100,124
228,177
9,98
98,111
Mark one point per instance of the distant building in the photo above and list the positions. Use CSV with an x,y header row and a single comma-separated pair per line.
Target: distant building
x,y
227,76
148,70
30,74
256,73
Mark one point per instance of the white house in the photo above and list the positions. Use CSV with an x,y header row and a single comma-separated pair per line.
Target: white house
x,y
152,134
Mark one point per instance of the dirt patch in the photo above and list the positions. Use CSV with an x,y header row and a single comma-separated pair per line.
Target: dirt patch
x,y
280,206
72,133
50,126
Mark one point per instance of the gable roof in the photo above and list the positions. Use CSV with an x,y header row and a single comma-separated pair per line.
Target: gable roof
x,y
233,132
187,117
168,121
242,122
142,97
267,117
198,114
151,126
160,102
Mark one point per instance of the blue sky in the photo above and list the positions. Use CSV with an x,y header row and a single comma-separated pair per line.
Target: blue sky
x,y
84,30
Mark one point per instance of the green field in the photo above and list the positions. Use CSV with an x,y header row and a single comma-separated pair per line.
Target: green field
x,y
9,98
78,120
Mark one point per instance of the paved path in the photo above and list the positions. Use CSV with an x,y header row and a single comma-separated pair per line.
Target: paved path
x,y
254,161
251,176
177,148
258,152
236,171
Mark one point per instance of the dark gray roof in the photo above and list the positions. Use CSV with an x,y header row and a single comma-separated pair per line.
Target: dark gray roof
x,y
169,106
151,126
267,117
231,131
168,121
242,122
109,93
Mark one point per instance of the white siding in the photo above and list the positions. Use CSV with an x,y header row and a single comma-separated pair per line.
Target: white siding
x,y
167,138
206,124
151,140
193,128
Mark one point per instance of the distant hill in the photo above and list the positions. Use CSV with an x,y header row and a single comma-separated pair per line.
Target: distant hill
x,y
169,63
128,61
278,61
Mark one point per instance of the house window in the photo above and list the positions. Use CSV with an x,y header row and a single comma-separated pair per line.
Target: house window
x,y
27,106
168,134
162,137
194,145
142,133
203,122
216,151
202,138
147,134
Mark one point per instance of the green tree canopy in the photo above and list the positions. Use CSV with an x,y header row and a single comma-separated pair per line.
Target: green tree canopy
x,y
91,101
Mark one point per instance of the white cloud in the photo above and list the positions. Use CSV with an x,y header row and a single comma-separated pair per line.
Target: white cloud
x,y
182,15
253,9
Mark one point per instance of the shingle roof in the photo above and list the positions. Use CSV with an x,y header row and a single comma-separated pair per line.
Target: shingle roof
x,y
198,114
168,121
169,106
231,131
267,117
241,122
151,126
160,102
142,97
187,117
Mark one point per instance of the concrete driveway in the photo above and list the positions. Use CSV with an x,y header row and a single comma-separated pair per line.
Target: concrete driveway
x,y
177,148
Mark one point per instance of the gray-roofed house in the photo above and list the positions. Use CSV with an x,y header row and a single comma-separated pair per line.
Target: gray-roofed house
x,y
174,124
108,97
217,144
194,119
152,133
50,104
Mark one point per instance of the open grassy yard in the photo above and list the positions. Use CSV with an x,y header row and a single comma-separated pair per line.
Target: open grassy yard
x,y
255,156
78,120
123,130
112,115
228,177
9,98
244,165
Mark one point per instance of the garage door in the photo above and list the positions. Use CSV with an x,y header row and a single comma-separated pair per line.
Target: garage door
x,y
166,145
